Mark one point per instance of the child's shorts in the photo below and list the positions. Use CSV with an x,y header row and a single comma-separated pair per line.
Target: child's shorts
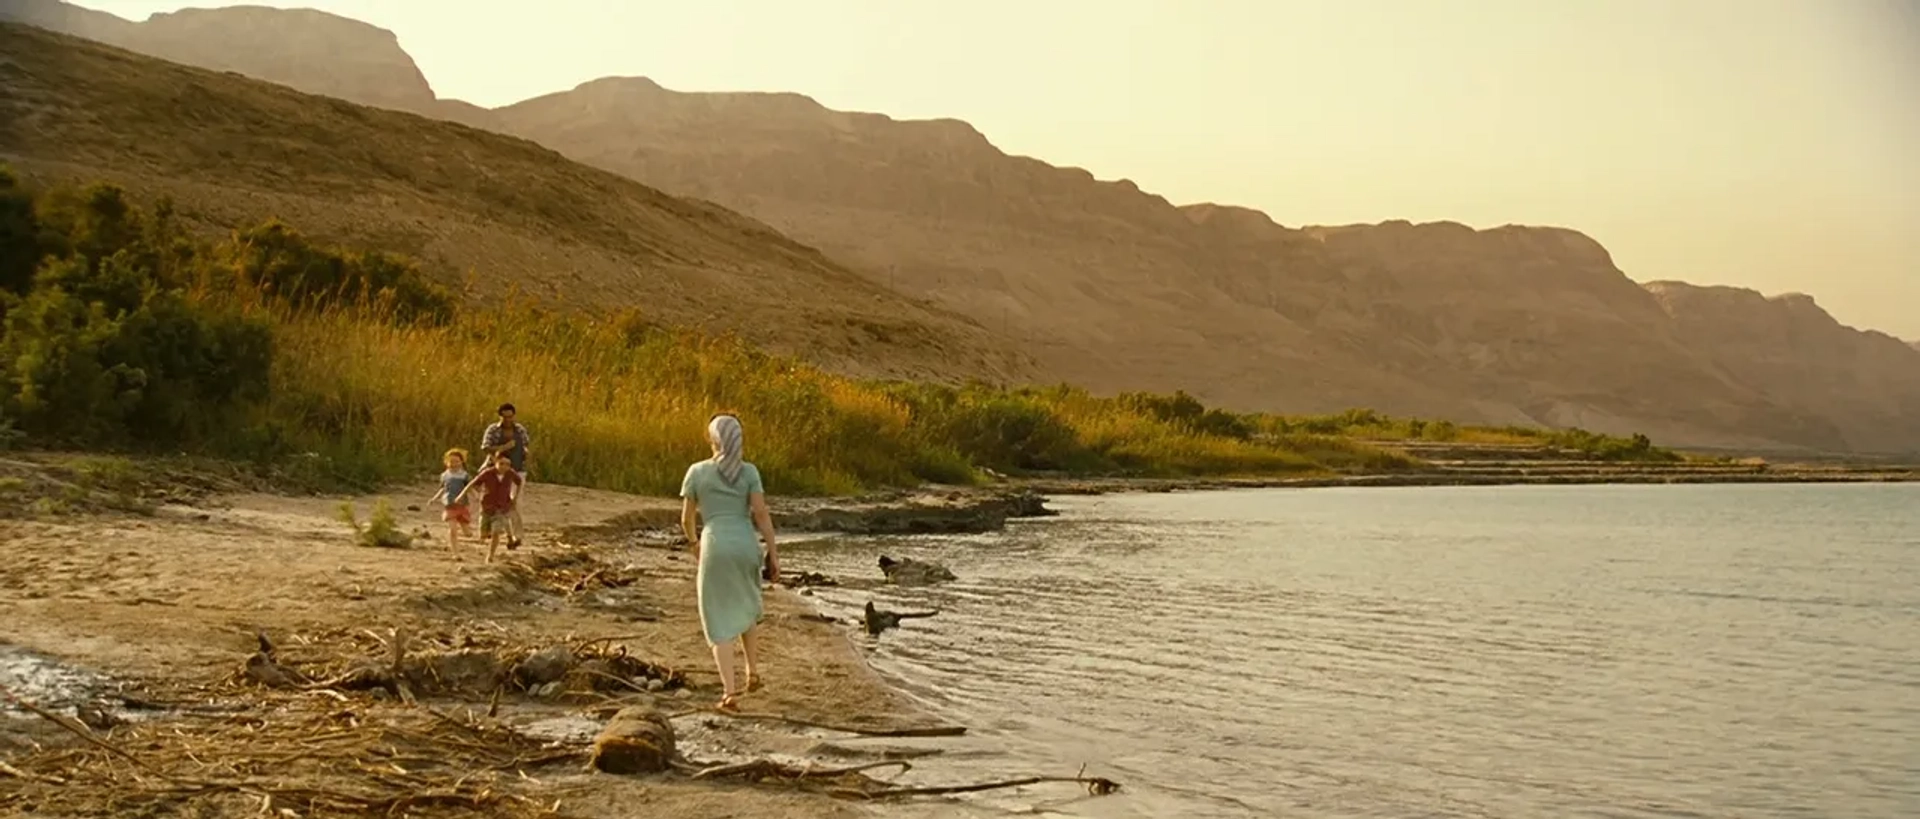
x,y
461,514
488,520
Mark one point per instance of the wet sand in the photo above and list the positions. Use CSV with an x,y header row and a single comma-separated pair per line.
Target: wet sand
x,y
173,600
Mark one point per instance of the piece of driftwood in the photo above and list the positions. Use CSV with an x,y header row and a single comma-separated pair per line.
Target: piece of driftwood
x,y
1095,785
756,769
891,733
879,620
638,739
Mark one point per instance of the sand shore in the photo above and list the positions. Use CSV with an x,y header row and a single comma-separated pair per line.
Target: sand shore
x,y
168,605
112,595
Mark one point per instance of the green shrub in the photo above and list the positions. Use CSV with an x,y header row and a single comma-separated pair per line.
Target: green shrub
x,y
126,366
277,262
19,236
381,531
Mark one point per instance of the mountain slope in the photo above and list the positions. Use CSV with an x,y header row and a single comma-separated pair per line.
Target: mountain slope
x,y
232,150
1795,353
1116,288
1121,290
307,50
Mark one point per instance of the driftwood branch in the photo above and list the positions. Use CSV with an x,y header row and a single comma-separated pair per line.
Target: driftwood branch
x,y
879,620
930,731
81,731
72,727
1095,785
16,773
759,768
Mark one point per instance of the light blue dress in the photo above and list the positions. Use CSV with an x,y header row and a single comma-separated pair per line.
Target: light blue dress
x,y
730,558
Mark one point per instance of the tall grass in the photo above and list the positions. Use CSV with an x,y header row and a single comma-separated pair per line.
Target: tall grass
x,y
349,368
1368,425
608,407
615,404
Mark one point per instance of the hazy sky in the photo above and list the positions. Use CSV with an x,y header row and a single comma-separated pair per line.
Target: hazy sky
x,y
1772,144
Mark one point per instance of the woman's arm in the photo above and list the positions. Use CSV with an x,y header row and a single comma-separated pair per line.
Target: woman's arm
x,y
763,521
689,524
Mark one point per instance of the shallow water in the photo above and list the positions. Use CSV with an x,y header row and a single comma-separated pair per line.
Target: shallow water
x,y
1749,651
47,682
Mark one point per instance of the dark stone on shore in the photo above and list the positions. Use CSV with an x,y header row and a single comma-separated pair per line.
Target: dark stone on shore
x,y
545,666
948,513
1027,503
911,572
638,739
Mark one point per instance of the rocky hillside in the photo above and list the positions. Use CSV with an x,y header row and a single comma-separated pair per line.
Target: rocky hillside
x,y
518,217
1119,289
1116,288
1866,384
311,51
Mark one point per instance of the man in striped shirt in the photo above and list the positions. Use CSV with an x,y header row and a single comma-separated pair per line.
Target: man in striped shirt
x,y
510,438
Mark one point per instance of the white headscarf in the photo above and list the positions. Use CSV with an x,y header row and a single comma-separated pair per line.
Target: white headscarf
x,y
724,430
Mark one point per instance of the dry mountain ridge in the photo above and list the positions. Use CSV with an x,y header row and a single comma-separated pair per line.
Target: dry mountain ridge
x,y
233,151
1117,288
1866,382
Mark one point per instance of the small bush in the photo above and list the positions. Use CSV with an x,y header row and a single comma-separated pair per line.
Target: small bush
x,y
276,262
381,531
19,236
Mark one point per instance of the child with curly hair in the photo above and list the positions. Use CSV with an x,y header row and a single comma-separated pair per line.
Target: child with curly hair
x,y
453,485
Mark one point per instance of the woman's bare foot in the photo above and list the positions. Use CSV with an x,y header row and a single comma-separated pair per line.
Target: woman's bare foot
x,y
753,682
728,702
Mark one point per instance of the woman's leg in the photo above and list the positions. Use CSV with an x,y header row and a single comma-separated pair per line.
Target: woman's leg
x,y
723,658
750,647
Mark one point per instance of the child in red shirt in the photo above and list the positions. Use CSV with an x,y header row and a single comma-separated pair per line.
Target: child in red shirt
x,y
499,489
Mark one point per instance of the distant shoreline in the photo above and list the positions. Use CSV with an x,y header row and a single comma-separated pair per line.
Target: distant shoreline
x,y
957,510
1106,486
52,484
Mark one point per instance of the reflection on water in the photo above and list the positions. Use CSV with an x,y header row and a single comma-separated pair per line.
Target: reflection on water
x,y
1508,652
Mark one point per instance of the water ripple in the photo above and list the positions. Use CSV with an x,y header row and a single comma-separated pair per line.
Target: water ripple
x,y
1514,652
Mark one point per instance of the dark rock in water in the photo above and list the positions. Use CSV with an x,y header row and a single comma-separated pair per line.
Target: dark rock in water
x,y
910,572
879,620
1027,503
638,739
95,716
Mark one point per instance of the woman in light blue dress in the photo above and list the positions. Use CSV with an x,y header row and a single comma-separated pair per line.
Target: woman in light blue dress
x,y
725,494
